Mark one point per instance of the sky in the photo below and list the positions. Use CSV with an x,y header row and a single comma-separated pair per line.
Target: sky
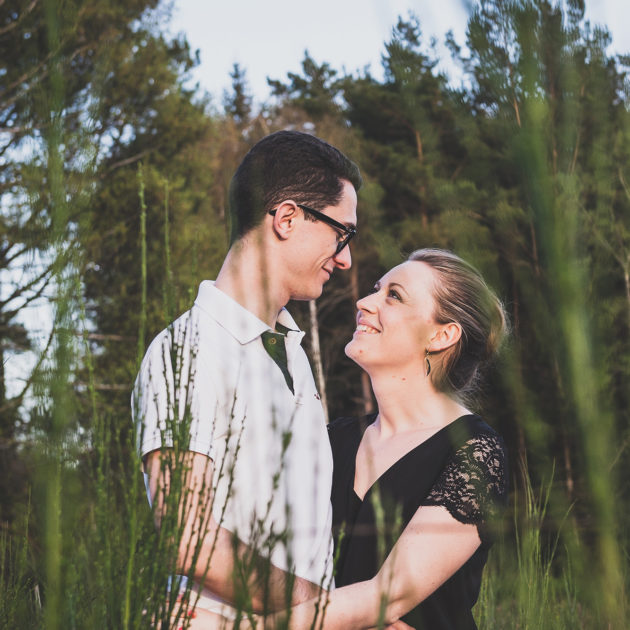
x,y
268,37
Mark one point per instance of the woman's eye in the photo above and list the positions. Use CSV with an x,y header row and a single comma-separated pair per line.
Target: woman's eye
x,y
393,294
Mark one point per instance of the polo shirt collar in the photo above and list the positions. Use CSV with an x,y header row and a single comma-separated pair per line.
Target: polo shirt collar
x,y
242,324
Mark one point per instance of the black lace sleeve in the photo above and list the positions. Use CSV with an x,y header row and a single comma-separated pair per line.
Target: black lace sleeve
x,y
473,485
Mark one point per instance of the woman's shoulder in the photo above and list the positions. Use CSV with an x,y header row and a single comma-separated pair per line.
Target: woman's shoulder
x,y
488,437
473,485
351,423
472,428
348,429
473,442
474,439
342,423
482,427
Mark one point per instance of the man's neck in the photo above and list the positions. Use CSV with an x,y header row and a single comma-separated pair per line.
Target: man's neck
x,y
247,276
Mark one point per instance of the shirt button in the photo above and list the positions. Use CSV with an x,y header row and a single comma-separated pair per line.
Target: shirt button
x,y
272,341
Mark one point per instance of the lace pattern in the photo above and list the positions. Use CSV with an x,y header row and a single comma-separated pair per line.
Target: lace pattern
x,y
473,485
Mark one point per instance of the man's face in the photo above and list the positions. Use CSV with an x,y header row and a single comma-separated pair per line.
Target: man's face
x,y
314,257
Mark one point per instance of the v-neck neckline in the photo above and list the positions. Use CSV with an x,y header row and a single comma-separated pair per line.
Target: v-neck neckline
x,y
399,460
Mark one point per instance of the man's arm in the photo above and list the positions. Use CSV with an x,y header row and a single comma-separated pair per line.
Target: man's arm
x,y
217,558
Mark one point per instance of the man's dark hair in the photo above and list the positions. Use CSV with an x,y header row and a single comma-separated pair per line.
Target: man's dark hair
x,y
287,165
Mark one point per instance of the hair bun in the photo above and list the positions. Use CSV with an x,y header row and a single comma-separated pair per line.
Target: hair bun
x,y
461,295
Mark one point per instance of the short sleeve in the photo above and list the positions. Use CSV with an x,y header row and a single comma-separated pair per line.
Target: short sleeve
x,y
473,485
169,406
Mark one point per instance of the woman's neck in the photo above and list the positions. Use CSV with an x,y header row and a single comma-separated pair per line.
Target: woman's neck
x,y
408,401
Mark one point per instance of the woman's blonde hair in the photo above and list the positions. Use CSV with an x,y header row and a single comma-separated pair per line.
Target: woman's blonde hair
x,y
461,295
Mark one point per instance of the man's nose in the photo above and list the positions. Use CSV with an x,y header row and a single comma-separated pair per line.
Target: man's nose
x,y
343,259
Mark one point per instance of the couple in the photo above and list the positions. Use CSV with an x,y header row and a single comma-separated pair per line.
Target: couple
x,y
409,493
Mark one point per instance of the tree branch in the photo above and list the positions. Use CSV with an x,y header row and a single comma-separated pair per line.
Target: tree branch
x,y
17,400
12,25
125,162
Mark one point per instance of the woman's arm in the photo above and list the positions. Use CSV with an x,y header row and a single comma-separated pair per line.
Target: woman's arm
x,y
432,547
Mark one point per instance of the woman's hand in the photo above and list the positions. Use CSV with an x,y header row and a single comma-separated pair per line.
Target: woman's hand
x,y
198,618
279,620
201,619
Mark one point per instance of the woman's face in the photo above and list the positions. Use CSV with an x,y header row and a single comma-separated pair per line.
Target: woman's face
x,y
395,323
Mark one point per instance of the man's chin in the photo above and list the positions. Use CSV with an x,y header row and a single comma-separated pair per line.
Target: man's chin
x,y
307,296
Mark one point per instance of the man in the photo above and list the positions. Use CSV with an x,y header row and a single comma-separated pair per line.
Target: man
x,y
229,385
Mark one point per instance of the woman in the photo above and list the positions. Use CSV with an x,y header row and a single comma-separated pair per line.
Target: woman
x,y
416,487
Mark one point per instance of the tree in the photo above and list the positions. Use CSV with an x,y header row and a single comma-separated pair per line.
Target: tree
x,y
315,92
51,141
238,104
534,72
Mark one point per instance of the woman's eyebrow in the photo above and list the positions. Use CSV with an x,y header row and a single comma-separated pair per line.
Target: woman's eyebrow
x,y
400,286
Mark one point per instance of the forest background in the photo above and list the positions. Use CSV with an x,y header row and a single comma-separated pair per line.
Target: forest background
x,y
113,180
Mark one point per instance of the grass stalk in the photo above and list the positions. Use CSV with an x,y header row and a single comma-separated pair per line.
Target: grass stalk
x,y
142,327
60,394
132,494
169,287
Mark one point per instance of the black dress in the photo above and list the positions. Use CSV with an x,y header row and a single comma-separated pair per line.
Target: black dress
x,y
461,467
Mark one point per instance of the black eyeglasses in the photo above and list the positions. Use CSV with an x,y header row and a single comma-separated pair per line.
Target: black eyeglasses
x,y
348,232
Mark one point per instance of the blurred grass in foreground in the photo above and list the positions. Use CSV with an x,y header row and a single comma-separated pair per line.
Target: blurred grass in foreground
x,y
85,553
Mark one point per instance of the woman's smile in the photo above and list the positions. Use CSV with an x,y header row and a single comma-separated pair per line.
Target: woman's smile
x,y
362,327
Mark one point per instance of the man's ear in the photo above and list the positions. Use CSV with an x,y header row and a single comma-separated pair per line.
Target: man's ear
x,y
284,219
446,335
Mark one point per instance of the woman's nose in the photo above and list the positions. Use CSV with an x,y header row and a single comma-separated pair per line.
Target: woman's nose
x,y
366,303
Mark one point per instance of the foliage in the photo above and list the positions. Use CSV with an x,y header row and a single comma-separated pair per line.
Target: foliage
x,y
524,172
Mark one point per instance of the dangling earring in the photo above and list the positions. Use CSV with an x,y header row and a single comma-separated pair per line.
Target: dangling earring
x,y
426,359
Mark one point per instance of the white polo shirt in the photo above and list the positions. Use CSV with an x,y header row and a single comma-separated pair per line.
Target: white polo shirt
x,y
272,459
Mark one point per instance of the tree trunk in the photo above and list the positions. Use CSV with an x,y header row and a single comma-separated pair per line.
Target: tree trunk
x,y
423,208
366,389
317,357
520,433
568,467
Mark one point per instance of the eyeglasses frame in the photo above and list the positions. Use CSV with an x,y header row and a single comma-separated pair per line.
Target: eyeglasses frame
x,y
320,216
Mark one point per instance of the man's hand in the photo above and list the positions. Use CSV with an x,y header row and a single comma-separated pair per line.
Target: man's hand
x,y
216,555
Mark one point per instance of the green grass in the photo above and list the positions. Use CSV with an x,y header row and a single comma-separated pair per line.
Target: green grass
x,y
84,551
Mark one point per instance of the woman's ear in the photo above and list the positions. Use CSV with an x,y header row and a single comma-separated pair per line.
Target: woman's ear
x,y
446,336
284,219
